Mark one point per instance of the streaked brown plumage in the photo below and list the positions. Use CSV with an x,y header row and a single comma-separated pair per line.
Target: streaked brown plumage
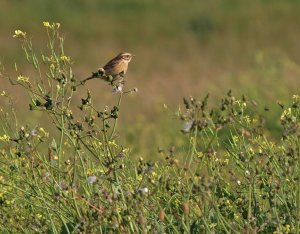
x,y
117,65
116,68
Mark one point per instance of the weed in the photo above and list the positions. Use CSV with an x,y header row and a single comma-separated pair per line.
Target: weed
x,y
231,177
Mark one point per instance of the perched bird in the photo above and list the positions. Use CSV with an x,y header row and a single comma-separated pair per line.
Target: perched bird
x,y
114,70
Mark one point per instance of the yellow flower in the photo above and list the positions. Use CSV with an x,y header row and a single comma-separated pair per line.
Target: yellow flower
x,y
212,225
112,143
139,178
90,172
101,170
287,228
51,26
199,154
69,113
247,119
9,202
19,34
296,97
23,79
46,24
65,58
4,138
42,130
176,161
226,161
286,113
52,66
126,150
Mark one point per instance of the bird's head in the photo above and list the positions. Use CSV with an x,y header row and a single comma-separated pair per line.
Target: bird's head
x,y
125,57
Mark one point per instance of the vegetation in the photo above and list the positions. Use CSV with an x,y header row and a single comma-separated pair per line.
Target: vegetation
x,y
230,175
181,50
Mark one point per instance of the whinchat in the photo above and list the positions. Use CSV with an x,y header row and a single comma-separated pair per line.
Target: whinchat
x,y
114,70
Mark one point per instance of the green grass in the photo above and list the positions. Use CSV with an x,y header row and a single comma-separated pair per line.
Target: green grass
x,y
235,170
181,50
225,171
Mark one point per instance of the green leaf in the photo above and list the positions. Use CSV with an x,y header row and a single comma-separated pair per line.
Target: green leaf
x,y
54,145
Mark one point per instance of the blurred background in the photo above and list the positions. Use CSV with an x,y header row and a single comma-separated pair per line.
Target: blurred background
x,y
182,48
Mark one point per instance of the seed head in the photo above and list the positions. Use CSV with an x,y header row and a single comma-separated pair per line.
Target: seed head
x,y
186,208
161,215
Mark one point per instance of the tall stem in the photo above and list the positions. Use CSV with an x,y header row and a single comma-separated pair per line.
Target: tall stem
x,y
62,130
298,194
116,120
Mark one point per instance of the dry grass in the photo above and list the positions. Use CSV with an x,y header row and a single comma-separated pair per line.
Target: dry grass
x,y
182,49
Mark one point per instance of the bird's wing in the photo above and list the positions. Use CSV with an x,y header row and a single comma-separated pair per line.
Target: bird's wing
x,y
110,64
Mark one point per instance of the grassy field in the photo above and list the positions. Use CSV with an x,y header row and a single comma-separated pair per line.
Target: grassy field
x,y
81,159
181,50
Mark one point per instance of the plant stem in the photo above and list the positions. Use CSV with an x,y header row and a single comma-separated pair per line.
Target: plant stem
x,y
116,120
62,130
298,193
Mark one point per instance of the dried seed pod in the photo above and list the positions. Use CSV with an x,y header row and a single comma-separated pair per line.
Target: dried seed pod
x,y
161,215
186,208
141,220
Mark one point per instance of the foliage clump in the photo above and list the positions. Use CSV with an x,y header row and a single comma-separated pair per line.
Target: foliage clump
x,y
230,178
